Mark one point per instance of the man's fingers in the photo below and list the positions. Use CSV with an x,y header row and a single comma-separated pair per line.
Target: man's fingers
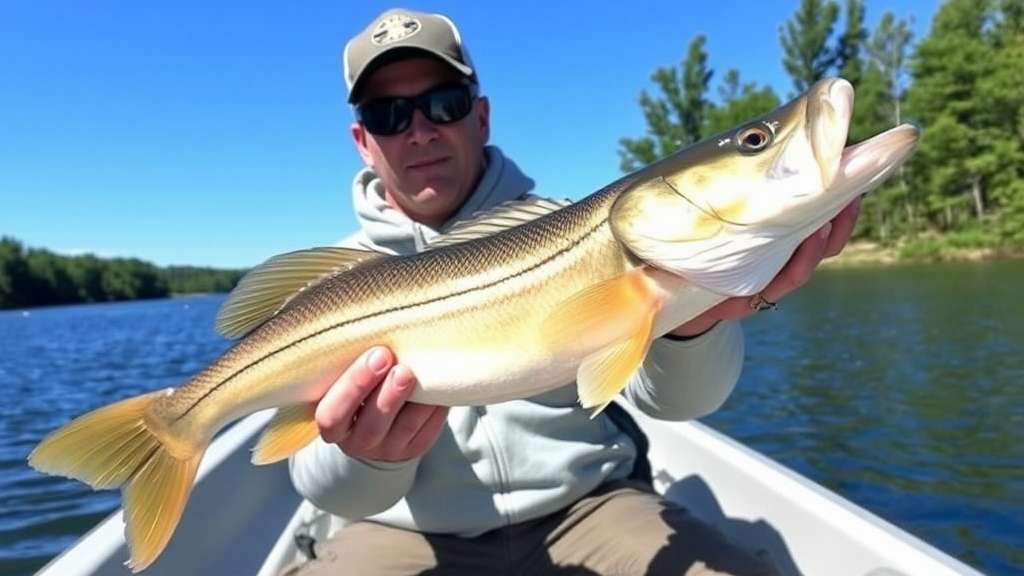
x,y
842,229
407,427
375,419
429,432
337,409
801,265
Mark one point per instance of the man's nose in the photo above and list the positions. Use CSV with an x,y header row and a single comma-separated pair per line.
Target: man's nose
x,y
421,129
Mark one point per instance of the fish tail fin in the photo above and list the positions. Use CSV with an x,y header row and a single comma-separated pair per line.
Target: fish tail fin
x,y
114,447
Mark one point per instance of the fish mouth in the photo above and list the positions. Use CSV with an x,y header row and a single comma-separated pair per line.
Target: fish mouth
x,y
851,171
865,165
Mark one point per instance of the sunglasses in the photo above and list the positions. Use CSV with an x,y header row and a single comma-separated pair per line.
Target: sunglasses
x,y
441,105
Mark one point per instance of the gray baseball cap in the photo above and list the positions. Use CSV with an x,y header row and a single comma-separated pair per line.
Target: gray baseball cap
x,y
397,34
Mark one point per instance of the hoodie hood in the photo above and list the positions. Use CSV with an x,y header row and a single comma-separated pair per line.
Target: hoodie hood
x,y
385,229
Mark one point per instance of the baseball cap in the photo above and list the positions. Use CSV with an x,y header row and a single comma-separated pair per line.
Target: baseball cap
x,y
397,34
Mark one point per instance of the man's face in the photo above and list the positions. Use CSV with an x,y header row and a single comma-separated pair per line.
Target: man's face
x,y
429,169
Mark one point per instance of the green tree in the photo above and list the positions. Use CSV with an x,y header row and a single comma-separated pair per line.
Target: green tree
x,y
739,102
14,279
848,59
86,273
967,101
37,277
675,119
51,283
887,51
1007,90
195,280
806,55
890,209
131,279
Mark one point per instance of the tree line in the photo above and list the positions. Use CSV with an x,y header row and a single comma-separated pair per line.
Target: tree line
x,y
38,277
962,84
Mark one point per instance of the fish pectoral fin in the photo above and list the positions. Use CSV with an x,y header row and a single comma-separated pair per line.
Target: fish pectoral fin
x,y
268,288
601,314
614,317
603,374
291,428
114,447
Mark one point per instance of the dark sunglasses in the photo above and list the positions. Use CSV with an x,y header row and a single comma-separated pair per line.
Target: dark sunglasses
x,y
441,105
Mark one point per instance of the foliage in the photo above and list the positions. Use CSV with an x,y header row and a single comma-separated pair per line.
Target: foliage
x,y
971,153
738,103
677,118
806,55
195,280
683,114
36,277
962,83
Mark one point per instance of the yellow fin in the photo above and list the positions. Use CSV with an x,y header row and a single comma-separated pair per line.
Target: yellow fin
x,y
601,314
113,446
604,374
291,428
502,217
615,317
267,288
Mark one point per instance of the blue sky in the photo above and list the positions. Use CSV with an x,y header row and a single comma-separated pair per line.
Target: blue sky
x,y
215,133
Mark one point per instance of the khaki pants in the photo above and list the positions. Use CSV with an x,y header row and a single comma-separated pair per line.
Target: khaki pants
x,y
621,529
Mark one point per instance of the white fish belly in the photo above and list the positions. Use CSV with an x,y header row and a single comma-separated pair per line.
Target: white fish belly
x,y
457,377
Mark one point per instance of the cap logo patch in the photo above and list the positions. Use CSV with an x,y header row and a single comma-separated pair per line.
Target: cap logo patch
x,y
394,28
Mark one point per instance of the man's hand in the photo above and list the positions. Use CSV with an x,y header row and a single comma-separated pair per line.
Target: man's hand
x,y
366,412
827,242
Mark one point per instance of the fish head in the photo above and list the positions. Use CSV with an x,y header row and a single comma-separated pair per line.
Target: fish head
x,y
728,212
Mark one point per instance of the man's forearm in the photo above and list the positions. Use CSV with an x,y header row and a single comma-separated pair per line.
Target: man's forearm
x,y
690,378
346,486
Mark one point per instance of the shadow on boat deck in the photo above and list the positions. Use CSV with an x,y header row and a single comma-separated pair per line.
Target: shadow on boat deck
x,y
695,494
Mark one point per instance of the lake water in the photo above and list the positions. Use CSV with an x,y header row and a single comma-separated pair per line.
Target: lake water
x,y
901,388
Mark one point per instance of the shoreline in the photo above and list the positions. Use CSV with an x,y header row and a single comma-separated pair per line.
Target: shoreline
x,y
869,253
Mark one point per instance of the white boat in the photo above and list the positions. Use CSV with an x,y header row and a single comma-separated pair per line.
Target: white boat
x,y
243,520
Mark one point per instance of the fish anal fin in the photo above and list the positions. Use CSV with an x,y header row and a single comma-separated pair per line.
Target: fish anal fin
x,y
112,447
291,428
604,374
267,288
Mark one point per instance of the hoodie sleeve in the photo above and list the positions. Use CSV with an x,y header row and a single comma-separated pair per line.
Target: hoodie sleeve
x,y
689,379
349,487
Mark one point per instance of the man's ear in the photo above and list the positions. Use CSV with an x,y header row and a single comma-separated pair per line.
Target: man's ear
x,y
359,137
484,118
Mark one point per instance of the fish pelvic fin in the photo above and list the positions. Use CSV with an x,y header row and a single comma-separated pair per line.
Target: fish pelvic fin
x,y
618,314
291,428
113,447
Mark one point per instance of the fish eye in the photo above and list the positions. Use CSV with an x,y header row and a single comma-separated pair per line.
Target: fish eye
x,y
753,139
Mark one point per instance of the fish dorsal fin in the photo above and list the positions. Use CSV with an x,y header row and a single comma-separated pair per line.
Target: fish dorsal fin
x,y
502,217
266,289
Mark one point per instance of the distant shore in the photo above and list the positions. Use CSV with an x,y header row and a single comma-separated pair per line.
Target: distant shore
x,y
868,253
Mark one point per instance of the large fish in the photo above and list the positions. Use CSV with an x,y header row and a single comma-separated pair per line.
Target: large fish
x,y
507,305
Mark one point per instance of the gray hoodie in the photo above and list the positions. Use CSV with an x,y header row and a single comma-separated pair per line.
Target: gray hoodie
x,y
515,461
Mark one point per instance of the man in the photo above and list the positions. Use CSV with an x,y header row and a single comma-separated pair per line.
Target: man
x,y
531,486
